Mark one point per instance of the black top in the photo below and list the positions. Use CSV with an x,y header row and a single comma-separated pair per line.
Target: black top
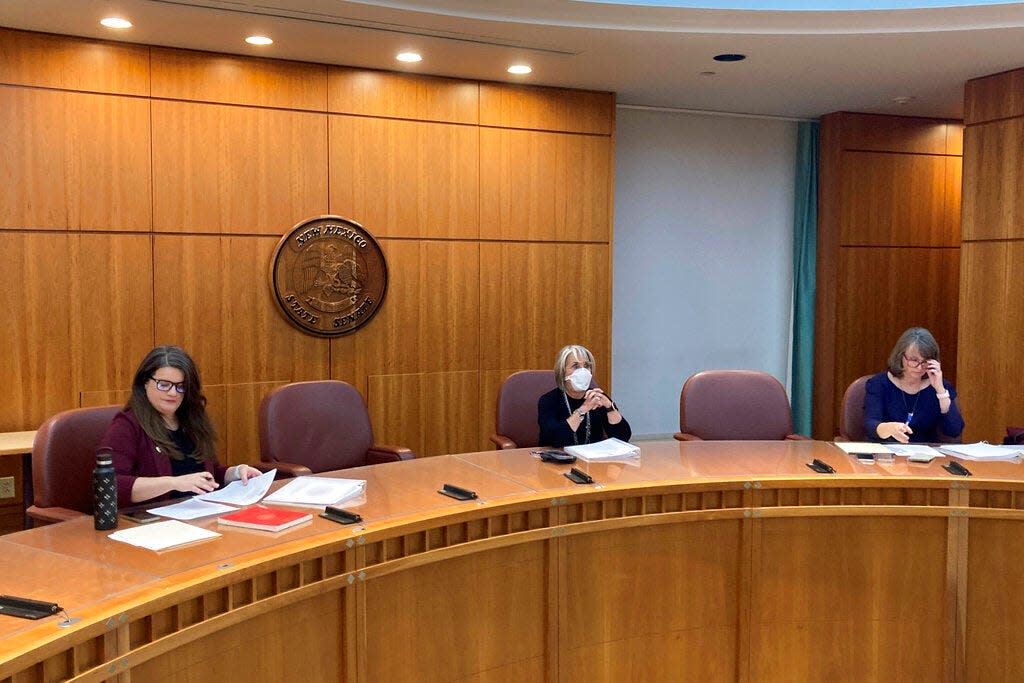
x,y
554,430
187,464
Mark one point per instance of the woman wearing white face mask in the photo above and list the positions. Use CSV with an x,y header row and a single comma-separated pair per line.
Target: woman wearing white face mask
x,y
573,412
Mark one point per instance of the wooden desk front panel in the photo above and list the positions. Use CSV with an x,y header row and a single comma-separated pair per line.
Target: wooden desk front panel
x,y
685,566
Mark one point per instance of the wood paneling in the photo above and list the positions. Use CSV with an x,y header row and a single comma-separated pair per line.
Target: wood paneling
x,y
430,318
999,96
891,629
888,247
431,413
894,199
545,186
74,160
39,59
404,96
883,292
228,79
991,326
225,169
111,323
615,630
35,361
535,298
498,636
993,203
213,299
571,111
239,428
995,599
406,178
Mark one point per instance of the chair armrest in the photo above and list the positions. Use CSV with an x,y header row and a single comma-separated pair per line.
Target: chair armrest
x,y
503,442
797,437
284,469
52,515
840,439
379,454
682,436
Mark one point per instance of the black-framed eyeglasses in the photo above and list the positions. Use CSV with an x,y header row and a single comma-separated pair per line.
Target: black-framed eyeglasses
x,y
165,385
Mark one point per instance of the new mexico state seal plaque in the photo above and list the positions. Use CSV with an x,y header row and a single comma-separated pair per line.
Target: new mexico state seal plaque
x,y
329,276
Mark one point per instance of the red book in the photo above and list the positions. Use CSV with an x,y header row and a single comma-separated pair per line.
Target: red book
x,y
267,519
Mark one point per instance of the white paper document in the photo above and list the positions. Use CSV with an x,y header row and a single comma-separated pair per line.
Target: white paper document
x,y
193,508
609,449
856,447
983,451
316,491
237,493
162,535
919,450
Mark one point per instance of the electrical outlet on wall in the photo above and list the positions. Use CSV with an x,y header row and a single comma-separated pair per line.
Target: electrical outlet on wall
x,y
6,487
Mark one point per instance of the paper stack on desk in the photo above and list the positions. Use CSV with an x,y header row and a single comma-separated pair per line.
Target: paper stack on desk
x,y
983,451
609,449
162,535
316,491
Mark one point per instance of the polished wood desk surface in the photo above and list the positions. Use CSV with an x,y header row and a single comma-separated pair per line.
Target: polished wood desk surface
x,y
16,443
89,575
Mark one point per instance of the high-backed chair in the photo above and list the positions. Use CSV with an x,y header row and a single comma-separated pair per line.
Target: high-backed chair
x,y
515,421
63,457
309,427
717,405
852,426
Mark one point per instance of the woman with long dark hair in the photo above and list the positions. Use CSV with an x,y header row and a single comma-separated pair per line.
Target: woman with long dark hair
x,y
163,440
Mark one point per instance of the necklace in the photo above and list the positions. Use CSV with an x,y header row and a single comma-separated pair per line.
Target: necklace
x,y
911,409
586,421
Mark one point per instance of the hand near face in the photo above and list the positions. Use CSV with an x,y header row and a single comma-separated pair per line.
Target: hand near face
x,y
197,482
934,370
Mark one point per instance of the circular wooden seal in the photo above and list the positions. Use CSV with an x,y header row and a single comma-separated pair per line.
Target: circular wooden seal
x,y
329,276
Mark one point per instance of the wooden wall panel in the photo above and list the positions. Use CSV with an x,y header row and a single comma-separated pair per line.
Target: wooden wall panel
x,y
545,186
999,96
431,413
405,96
571,111
883,292
536,298
888,247
995,598
406,178
507,585
991,326
224,169
112,319
48,61
239,428
224,315
75,160
430,318
35,362
994,172
894,199
229,79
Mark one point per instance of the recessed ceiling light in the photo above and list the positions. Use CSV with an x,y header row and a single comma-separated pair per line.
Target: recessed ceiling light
x,y
903,99
730,57
259,40
409,57
707,73
520,69
116,22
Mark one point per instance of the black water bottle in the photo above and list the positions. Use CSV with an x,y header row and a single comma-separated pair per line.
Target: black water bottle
x,y
104,491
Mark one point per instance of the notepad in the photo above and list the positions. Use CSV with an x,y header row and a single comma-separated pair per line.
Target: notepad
x,y
162,535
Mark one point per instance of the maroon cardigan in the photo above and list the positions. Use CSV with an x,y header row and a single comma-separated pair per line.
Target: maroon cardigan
x,y
136,455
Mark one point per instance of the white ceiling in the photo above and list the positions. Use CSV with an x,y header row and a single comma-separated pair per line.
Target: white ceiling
x,y
800,64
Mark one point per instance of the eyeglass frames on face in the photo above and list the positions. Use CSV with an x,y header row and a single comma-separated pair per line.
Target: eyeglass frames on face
x,y
915,362
165,385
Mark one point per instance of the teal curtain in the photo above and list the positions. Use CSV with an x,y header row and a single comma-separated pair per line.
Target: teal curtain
x,y
805,241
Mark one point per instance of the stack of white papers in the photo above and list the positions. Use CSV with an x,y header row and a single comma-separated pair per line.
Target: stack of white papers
x,y
316,491
193,508
983,451
237,493
917,450
857,447
609,449
162,535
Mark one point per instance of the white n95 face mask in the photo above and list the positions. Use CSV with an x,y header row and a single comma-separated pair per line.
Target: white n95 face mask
x,y
580,379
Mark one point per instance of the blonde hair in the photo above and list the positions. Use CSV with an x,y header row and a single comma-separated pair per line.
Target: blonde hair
x,y
567,352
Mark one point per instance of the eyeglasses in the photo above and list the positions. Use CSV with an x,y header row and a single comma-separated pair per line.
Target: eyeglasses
x,y
165,385
915,362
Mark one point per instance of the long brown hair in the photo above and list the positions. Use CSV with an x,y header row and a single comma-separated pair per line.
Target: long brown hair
x,y
192,417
